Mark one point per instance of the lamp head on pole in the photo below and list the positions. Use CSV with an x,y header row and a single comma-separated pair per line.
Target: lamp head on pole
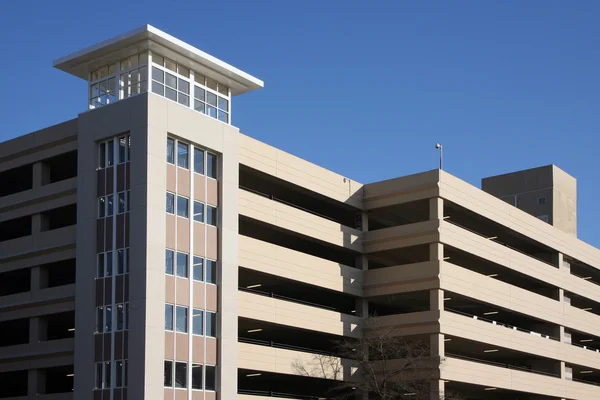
x,y
438,146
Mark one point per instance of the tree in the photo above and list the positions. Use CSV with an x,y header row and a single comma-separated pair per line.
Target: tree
x,y
381,365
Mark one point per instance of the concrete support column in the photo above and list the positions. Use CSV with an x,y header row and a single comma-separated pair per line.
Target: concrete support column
x,y
41,174
38,329
39,223
36,382
436,251
436,300
437,389
436,208
39,278
436,344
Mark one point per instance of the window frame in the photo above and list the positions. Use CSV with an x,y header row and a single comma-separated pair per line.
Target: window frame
x,y
171,307
177,316
186,208
173,196
172,252
187,264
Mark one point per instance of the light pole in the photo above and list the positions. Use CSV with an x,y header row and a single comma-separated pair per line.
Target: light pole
x,y
439,146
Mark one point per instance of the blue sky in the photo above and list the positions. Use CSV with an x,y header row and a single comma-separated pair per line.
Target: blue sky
x,y
504,85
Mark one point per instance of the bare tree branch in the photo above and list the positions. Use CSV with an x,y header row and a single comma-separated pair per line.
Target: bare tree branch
x,y
385,367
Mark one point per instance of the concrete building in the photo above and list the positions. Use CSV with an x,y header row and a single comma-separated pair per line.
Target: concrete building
x,y
150,250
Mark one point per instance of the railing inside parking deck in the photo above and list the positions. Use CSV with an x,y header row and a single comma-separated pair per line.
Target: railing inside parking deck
x,y
449,220
501,324
292,300
270,343
271,197
268,393
502,365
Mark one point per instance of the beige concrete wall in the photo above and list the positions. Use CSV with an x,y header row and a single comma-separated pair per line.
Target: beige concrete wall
x,y
278,214
280,261
280,361
278,163
166,117
296,315
402,279
401,190
491,376
401,236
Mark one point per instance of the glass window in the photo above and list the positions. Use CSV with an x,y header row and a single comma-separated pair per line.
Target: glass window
x,y
211,165
181,319
211,324
183,71
122,206
108,319
197,376
158,75
171,94
198,272
119,373
171,65
199,93
158,88
198,161
199,106
109,208
170,151
199,78
211,111
211,215
169,256
122,150
101,207
211,271
100,319
171,81
182,264
197,322
182,206
198,211
168,317
168,373
184,86
107,374
120,261
211,99
180,375
111,153
223,89
184,99
99,371
223,104
223,116
211,377
102,156
170,203
211,84
100,265
109,264
126,315
120,317
128,200
182,155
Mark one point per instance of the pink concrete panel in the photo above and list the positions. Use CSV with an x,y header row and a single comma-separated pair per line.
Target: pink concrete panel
x,y
169,394
181,347
183,234
120,231
119,290
169,345
100,235
109,233
199,187
110,180
211,297
170,289
198,294
171,178
181,394
171,232
183,182
210,396
182,293
212,192
101,182
199,239
212,242
120,177
211,351
198,349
